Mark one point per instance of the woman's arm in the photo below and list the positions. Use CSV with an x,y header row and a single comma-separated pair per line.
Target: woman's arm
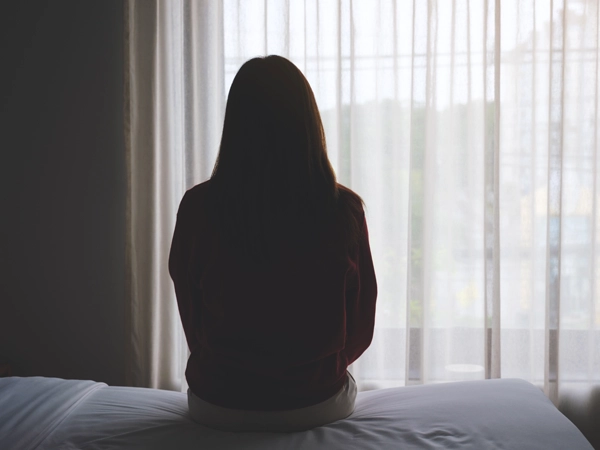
x,y
361,297
179,262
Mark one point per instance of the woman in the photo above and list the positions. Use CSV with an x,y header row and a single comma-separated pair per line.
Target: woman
x,y
272,267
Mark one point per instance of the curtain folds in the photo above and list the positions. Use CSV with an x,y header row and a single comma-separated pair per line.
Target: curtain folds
x,y
470,128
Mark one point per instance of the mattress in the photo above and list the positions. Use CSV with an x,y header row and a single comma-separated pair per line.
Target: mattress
x,y
51,413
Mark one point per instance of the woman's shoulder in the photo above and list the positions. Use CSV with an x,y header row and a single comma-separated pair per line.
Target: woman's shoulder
x,y
199,190
350,197
193,198
197,193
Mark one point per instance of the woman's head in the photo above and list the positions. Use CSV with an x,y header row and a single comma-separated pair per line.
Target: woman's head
x,y
272,124
272,175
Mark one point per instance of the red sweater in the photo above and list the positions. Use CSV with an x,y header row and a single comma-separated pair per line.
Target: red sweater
x,y
272,340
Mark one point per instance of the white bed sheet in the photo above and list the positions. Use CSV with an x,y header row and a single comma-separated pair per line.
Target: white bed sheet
x,y
51,413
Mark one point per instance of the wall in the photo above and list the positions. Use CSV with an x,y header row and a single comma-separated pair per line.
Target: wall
x,y
62,189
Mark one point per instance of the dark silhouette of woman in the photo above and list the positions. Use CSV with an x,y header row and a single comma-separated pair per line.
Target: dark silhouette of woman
x,y
272,268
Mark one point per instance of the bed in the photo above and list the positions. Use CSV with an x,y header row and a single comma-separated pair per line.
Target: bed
x,y
51,413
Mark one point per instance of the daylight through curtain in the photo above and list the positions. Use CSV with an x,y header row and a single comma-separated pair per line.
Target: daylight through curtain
x,y
469,127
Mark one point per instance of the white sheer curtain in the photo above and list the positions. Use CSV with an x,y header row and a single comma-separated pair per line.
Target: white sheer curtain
x,y
470,128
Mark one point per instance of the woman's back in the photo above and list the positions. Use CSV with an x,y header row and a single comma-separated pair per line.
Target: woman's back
x,y
270,338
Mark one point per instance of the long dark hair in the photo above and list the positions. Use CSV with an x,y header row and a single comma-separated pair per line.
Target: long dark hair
x,y
272,177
